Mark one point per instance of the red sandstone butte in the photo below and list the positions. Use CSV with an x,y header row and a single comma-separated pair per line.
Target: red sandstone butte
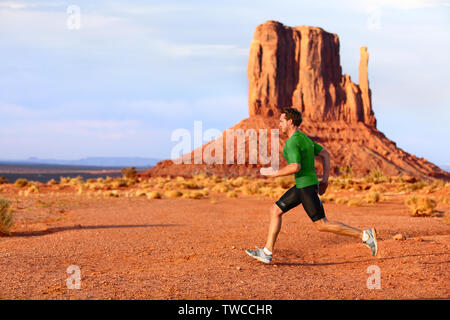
x,y
300,67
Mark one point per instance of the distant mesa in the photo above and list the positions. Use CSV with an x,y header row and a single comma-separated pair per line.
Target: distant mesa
x,y
121,162
300,67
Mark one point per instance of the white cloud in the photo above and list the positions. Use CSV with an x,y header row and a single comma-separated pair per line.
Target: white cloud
x,y
370,5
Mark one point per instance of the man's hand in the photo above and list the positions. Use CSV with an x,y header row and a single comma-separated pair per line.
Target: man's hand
x,y
268,172
323,185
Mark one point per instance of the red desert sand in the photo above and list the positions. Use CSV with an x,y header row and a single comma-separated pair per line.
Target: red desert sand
x,y
132,247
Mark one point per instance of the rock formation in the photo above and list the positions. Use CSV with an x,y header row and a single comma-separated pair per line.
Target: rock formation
x,y
300,67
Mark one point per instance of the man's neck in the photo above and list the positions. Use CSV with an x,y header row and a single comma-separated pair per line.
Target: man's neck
x,y
291,131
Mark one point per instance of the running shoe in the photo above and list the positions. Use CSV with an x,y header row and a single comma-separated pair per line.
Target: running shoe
x,y
259,254
371,242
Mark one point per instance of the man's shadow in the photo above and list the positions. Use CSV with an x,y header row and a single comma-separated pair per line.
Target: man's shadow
x,y
80,227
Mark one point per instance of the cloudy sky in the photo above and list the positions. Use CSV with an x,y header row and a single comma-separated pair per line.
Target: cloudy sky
x,y
134,71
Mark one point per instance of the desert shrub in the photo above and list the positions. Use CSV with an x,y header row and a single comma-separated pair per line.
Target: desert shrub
x,y
111,194
372,197
52,182
119,183
346,172
141,193
375,176
6,219
76,180
153,195
285,182
191,185
437,184
173,194
64,180
249,190
221,187
3,180
193,195
21,183
32,189
421,206
341,200
232,194
354,203
129,173
327,198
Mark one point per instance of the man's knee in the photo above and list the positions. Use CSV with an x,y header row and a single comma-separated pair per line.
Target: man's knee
x,y
275,210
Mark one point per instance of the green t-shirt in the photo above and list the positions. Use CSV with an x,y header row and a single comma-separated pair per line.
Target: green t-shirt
x,y
301,149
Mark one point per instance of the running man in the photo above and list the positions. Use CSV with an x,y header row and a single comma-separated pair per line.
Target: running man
x,y
299,153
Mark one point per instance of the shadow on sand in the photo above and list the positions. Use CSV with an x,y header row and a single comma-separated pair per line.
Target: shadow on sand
x,y
79,227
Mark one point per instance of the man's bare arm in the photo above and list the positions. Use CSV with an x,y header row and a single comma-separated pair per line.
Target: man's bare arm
x,y
289,169
325,156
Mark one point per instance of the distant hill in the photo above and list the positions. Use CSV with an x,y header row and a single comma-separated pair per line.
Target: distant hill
x,y
93,161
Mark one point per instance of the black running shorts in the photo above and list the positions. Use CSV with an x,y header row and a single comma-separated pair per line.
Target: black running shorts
x,y
307,196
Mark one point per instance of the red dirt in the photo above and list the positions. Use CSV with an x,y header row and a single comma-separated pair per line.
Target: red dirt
x,y
135,248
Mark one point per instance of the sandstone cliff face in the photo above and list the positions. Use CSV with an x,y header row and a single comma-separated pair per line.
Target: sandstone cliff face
x,y
300,67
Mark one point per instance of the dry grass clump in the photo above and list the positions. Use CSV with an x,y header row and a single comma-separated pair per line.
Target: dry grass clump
x,y
421,206
32,189
52,182
232,194
354,203
285,182
376,176
372,197
3,180
193,195
6,219
221,187
111,194
341,200
173,194
21,183
327,198
153,195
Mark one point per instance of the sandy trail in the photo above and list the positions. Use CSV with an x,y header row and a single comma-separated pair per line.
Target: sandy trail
x,y
135,248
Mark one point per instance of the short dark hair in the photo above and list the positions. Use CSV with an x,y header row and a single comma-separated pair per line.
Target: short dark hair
x,y
293,114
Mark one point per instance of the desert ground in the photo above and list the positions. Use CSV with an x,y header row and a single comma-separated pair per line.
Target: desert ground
x,y
177,238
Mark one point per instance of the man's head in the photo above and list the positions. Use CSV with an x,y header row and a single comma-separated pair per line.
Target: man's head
x,y
290,117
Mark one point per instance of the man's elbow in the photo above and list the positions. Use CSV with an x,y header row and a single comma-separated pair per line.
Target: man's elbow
x,y
324,154
296,167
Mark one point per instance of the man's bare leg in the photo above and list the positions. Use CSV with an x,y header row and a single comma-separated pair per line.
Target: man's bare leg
x,y
274,226
338,228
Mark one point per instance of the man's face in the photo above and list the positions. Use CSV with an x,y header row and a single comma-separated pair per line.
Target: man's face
x,y
283,123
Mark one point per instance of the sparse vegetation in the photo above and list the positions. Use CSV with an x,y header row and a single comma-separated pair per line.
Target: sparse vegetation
x,y
421,206
372,197
21,183
3,180
6,219
129,173
354,203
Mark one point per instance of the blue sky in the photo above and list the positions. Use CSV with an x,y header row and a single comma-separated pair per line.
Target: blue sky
x,y
137,70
